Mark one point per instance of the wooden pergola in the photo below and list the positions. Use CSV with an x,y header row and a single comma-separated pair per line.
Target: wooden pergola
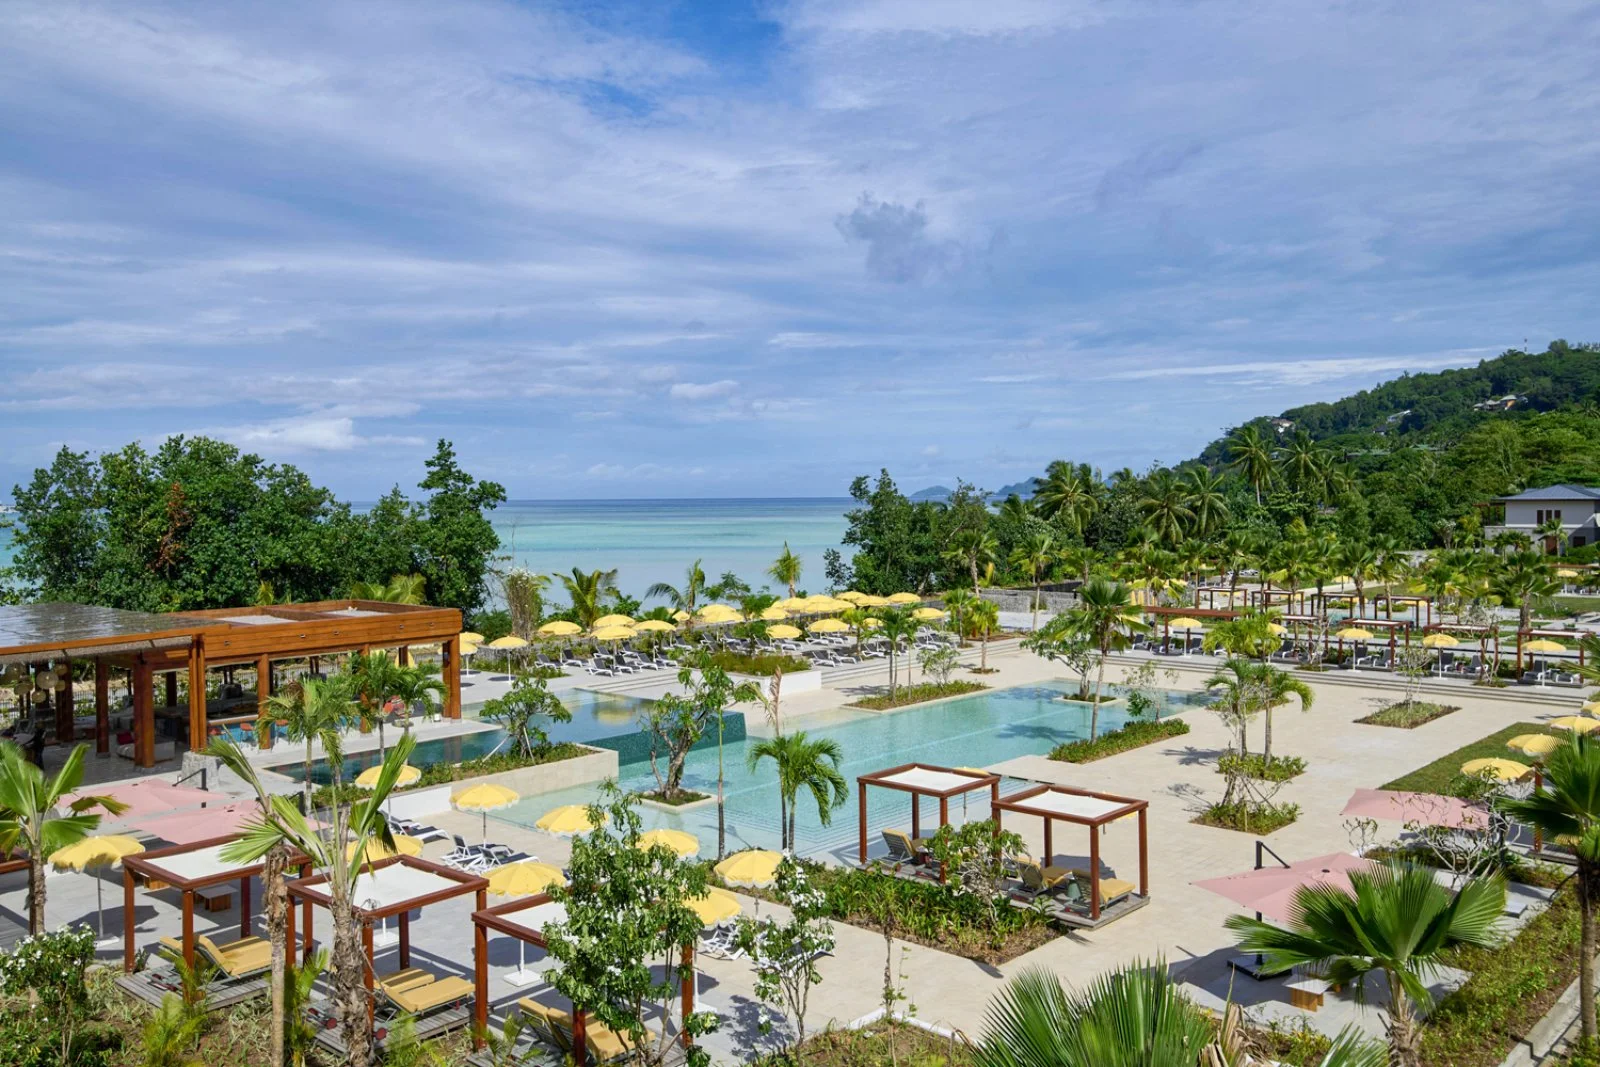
x,y
391,887
1081,807
525,920
188,869
1165,615
923,780
146,644
1574,636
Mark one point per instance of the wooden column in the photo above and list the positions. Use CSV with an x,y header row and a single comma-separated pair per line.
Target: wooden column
x,y
405,940
366,972
1049,842
580,1039
916,817
1094,872
1144,852
144,715
188,927
452,677
172,689
686,985
263,691
944,820
480,983
861,809
127,920
64,726
197,694
244,907
102,708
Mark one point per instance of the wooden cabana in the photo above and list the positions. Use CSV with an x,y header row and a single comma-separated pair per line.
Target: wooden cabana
x,y
1573,636
1082,807
145,645
1418,605
390,888
525,920
189,869
923,780
1165,615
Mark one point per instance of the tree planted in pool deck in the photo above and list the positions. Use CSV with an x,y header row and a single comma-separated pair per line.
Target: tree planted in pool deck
x,y
802,763
976,857
784,954
377,679
983,622
895,625
618,951
1105,618
520,710
312,710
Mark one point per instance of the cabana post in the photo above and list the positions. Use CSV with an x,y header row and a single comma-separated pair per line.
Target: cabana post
x,y
1083,808
923,780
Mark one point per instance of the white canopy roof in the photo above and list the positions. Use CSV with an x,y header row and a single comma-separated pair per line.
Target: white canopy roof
x,y
199,863
1073,806
375,890
540,915
932,781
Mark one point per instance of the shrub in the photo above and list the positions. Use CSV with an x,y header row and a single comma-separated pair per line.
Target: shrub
x,y
1134,734
916,694
764,664
1249,817
1257,766
47,1002
1408,714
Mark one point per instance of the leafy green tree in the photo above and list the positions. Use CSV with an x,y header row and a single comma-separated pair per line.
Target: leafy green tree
x,y
312,710
896,540
1108,618
456,540
784,953
802,763
617,951
1522,578
524,591
29,818
785,570
519,711
1397,921
1061,641
1566,807
588,591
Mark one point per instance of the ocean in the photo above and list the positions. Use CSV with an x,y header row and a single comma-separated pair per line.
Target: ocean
x,y
650,541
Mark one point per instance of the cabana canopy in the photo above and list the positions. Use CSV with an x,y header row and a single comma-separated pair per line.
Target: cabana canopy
x,y
525,920
203,824
153,796
1428,809
923,780
1270,891
1084,808
188,868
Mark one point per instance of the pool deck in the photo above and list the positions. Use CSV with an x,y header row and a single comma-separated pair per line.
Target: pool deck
x,y
1182,924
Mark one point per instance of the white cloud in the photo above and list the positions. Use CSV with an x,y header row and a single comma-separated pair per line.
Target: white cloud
x,y
1298,371
308,433
703,390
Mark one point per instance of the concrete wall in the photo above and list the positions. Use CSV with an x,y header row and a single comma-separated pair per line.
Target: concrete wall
x,y
1021,600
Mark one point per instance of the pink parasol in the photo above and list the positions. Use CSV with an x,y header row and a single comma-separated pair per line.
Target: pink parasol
x,y
1425,809
1271,890
150,796
187,827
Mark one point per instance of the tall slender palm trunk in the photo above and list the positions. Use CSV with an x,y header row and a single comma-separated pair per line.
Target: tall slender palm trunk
x,y
274,865
1099,680
349,969
1588,891
35,891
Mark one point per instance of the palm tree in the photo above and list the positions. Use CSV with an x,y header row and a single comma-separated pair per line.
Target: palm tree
x,y
1250,453
972,547
1080,560
1033,557
1164,506
28,803
803,763
588,590
785,570
1276,687
416,684
400,589
1108,618
1069,495
1567,806
1552,533
1303,464
1236,701
1131,1017
335,849
687,597
373,679
311,710
898,624
1017,509
1360,561
984,619
1397,921
1206,501
1523,577
957,601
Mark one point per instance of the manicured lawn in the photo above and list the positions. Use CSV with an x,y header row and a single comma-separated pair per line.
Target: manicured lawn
x,y
1576,605
1437,776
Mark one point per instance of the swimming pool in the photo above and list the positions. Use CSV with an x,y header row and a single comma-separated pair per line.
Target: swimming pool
x,y
595,717
977,730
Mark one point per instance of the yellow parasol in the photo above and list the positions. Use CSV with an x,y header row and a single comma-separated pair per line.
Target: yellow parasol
x,y
681,843
681,616
1593,707
612,620
1439,641
873,602
1354,633
654,626
375,850
904,598
569,819
783,632
368,779
850,595
716,907
468,648
1543,645
791,603
1535,744
1576,723
755,868
560,628
871,624
774,614
468,635
716,609
827,603
1501,770
927,614
484,798
1566,572
1276,628
832,626
93,853
524,878
508,642
1184,622
614,633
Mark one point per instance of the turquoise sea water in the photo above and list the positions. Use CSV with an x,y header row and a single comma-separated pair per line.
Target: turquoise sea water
x,y
977,730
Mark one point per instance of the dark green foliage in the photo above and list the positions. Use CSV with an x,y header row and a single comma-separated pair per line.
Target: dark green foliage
x,y
1135,733
520,710
1408,714
199,524
916,694
1276,769
1249,818
764,664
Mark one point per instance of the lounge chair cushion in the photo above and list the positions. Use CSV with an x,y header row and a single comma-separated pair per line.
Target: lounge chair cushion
x,y
1110,888
426,996
903,845
235,959
406,979
1039,879
602,1042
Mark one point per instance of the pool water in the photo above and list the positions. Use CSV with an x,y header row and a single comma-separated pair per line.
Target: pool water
x,y
971,731
595,716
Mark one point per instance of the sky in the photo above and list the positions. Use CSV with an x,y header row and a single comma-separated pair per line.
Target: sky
x,y
722,248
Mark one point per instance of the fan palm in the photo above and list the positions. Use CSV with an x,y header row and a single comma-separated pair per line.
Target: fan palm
x,y
1567,806
1250,453
588,591
1396,921
1033,557
785,570
1206,500
802,763
1108,618
28,819
1520,579
1080,560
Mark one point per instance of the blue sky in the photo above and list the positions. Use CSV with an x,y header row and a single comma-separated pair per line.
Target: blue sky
x,y
646,248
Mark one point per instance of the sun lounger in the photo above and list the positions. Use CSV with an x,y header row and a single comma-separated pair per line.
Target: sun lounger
x,y
1112,890
555,1027
416,995
595,666
242,958
1037,879
903,848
